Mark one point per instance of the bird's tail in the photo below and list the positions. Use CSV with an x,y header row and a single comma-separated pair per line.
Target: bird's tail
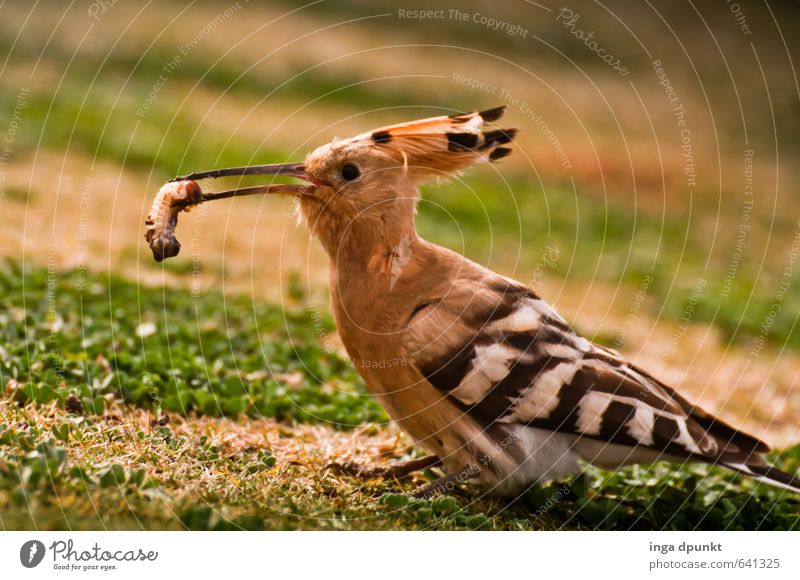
x,y
766,474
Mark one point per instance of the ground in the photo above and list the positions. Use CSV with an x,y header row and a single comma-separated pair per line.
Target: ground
x,y
210,418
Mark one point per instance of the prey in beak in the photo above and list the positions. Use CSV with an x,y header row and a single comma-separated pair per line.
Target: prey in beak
x,y
181,193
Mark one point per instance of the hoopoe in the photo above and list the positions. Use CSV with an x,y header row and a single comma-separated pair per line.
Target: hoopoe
x,y
494,384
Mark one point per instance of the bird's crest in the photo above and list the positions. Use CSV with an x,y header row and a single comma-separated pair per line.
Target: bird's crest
x,y
444,144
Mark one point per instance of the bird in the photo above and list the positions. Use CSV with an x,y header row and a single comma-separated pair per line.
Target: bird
x,y
478,369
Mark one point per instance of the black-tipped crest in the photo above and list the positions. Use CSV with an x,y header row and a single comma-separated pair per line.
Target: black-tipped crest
x,y
491,115
461,141
498,137
499,153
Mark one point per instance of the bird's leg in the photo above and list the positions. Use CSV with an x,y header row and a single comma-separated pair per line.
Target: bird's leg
x,y
406,468
448,482
394,471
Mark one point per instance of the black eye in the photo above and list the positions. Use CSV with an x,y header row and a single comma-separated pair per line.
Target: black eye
x,y
349,172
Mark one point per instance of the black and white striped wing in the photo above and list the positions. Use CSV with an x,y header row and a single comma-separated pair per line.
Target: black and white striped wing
x,y
520,363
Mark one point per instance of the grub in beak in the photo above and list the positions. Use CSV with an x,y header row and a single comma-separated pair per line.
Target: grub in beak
x,y
181,193
163,216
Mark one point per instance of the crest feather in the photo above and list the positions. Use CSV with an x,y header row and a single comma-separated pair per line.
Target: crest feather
x,y
441,144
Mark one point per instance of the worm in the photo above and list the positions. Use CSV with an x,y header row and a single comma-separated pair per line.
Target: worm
x,y
172,198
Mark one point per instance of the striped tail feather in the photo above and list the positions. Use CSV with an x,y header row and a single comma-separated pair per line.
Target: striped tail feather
x,y
766,474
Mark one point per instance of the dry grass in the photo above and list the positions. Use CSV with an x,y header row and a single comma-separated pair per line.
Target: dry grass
x,y
183,472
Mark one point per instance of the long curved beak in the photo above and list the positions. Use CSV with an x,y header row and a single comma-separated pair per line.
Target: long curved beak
x,y
293,169
290,169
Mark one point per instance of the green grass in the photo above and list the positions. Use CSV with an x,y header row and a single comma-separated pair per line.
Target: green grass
x,y
75,454
43,485
163,347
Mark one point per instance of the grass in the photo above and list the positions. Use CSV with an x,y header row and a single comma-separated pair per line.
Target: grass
x,y
131,407
166,350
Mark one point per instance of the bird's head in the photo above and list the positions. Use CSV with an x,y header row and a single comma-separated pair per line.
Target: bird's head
x,y
363,190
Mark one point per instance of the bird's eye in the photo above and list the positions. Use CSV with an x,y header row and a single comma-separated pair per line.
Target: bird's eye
x,y
349,172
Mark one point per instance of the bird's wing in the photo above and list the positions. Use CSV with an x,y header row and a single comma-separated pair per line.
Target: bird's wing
x,y
512,359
